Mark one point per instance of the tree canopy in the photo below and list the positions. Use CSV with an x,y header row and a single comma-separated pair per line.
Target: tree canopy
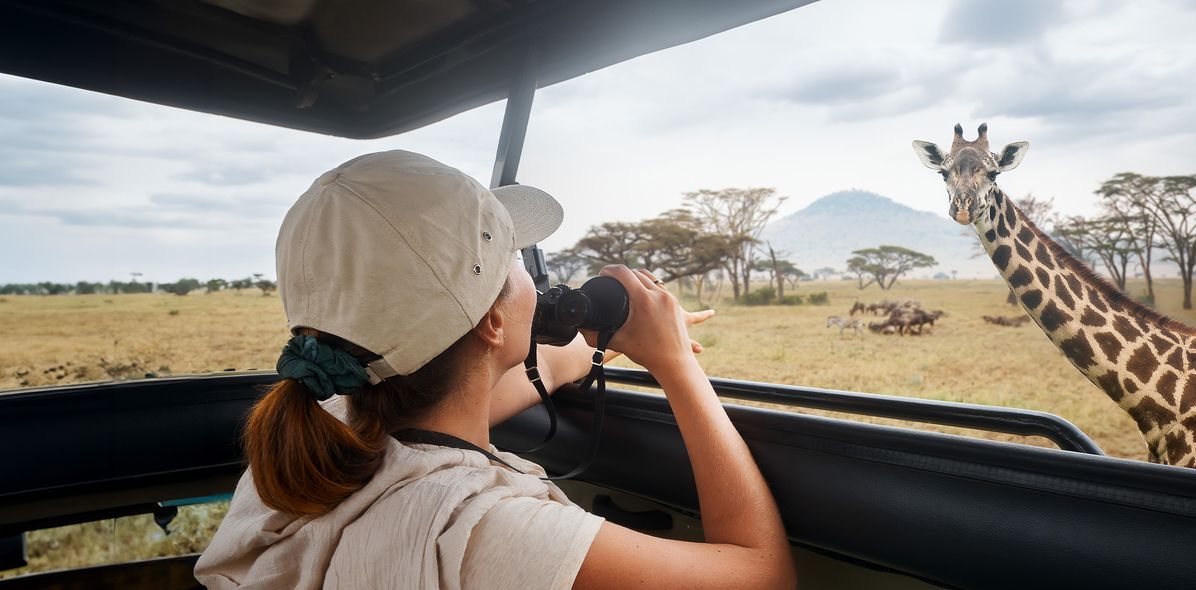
x,y
883,265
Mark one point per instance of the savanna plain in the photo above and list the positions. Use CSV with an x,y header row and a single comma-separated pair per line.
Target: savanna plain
x,y
56,340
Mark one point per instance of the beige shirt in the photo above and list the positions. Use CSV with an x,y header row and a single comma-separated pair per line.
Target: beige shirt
x,y
432,517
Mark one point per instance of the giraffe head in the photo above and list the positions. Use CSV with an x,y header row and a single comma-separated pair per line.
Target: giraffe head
x,y
970,170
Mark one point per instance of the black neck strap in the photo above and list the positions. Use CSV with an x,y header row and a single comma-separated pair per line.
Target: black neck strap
x,y
430,437
533,375
596,375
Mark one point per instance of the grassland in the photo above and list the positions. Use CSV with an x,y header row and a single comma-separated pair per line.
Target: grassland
x,y
69,339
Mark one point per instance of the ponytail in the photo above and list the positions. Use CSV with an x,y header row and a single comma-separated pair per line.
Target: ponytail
x,y
306,461
303,459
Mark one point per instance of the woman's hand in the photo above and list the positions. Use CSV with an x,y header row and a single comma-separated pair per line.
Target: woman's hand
x,y
655,334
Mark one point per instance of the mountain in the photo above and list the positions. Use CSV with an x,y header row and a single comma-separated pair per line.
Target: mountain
x,y
829,229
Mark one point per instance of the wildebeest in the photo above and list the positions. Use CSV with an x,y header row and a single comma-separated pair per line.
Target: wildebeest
x,y
905,319
1011,322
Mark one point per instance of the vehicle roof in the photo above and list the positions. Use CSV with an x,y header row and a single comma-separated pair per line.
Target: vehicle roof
x,y
353,68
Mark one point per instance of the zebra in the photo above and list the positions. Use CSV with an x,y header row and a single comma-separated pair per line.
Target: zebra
x,y
846,324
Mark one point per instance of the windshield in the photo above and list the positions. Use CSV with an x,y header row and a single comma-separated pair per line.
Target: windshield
x,y
137,240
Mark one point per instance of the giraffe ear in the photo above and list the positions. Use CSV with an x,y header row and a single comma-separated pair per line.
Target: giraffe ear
x,y
929,154
1012,155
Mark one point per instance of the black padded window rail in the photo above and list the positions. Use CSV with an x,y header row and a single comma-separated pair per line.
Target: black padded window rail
x,y
988,418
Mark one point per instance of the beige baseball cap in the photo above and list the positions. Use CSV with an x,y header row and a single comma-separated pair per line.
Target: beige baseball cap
x,y
403,255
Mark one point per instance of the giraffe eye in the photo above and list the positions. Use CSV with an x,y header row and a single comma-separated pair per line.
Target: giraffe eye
x,y
992,175
944,173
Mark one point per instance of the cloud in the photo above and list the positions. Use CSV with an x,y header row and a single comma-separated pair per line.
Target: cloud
x,y
21,169
992,23
855,82
853,88
225,174
1081,98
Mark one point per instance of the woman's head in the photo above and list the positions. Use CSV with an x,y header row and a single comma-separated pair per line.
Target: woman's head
x,y
403,255
408,268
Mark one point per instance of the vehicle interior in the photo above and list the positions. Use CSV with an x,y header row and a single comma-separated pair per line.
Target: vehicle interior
x,y
865,505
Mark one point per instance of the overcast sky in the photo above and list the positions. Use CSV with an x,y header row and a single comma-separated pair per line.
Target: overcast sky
x,y
823,98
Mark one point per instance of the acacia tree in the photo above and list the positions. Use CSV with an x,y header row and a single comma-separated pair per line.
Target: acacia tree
x,y
861,268
1072,232
739,215
825,272
1174,207
1099,238
791,273
613,242
885,264
1171,207
1125,200
566,264
682,247
781,270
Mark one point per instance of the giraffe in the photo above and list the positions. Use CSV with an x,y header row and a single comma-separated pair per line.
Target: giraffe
x,y
1144,361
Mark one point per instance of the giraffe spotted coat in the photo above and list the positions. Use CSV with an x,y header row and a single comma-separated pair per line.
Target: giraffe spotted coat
x,y
1144,361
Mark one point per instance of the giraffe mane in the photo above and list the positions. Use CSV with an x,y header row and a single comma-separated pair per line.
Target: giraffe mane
x,y
1111,293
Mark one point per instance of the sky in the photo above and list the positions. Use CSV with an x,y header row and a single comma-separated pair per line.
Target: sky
x,y
823,98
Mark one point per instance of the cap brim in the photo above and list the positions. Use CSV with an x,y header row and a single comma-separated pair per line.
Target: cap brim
x,y
534,212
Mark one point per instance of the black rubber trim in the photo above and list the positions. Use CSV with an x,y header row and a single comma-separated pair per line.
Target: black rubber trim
x,y
956,511
991,418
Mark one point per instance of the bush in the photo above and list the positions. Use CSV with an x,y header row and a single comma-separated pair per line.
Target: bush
x,y
792,300
761,296
1146,300
820,298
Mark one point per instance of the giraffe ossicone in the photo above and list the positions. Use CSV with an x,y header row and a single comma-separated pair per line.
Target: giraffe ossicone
x,y
1142,360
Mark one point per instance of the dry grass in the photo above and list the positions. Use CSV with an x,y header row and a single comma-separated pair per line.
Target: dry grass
x,y
964,359
68,339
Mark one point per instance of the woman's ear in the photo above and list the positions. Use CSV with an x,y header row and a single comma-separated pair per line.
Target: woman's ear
x,y
490,328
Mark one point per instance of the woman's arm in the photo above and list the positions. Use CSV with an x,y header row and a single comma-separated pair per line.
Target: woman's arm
x,y
746,544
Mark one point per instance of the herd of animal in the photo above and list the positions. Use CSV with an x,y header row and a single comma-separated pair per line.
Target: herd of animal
x,y
904,317
1008,321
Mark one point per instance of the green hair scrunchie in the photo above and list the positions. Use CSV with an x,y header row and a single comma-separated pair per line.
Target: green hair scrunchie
x,y
321,368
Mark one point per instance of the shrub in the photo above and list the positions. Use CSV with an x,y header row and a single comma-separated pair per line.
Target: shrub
x,y
820,298
1146,300
792,300
761,296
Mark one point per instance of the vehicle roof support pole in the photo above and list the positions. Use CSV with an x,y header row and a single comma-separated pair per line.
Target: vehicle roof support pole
x,y
510,148
514,122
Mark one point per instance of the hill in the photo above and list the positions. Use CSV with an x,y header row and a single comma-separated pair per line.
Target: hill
x,y
826,231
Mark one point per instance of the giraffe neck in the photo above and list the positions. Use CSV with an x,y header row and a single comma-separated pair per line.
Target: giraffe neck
x,y
1143,361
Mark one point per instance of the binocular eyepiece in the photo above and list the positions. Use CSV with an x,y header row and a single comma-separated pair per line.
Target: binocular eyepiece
x,y
600,305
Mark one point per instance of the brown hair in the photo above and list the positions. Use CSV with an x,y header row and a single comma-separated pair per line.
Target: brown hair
x,y
306,461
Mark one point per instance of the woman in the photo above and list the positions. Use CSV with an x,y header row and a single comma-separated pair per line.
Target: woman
x,y
401,282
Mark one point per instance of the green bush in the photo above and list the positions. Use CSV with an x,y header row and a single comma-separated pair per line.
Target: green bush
x,y
820,298
1146,300
792,300
761,296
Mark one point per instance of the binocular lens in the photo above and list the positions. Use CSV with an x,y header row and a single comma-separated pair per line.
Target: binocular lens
x,y
572,308
600,305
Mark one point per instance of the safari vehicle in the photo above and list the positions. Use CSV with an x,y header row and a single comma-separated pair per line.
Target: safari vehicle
x,y
865,506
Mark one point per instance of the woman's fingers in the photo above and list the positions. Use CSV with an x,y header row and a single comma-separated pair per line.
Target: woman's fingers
x,y
646,278
695,346
697,317
629,278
